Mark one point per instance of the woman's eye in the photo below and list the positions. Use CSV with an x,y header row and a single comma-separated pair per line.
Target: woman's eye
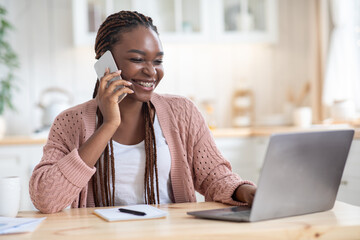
x,y
158,62
136,60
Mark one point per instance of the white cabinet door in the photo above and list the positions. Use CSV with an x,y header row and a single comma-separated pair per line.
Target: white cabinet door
x,y
246,20
244,154
19,160
349,190
240,152
185,20
176,20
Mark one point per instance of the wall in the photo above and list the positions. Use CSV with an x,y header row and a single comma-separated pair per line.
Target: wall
x,y
43,40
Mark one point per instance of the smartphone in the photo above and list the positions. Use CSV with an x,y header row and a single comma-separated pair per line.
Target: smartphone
x,y
107,61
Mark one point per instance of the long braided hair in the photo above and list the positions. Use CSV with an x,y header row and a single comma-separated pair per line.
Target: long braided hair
x,y
108,34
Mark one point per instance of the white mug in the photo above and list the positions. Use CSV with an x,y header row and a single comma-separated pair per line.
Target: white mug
x,y
9,196
302,117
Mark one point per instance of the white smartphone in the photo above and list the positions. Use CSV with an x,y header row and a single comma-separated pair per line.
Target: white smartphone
x,y
107,61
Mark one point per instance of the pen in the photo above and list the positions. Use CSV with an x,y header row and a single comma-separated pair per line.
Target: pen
x,y
138,213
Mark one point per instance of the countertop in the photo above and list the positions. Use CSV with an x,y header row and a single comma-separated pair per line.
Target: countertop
x,y
263,131
21,140
260,131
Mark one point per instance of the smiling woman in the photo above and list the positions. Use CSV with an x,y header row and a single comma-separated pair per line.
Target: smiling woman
x,y
147,148
142,67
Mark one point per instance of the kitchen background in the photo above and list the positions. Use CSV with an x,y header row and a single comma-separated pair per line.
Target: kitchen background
x,y
208,67
245,63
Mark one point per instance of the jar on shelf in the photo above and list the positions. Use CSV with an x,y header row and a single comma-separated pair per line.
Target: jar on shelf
x,y
208,107
242,108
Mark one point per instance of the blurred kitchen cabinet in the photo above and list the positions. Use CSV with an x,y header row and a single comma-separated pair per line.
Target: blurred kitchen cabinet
x,y
20,160
176,20
246,20
245,154
349,190
87,16
185,20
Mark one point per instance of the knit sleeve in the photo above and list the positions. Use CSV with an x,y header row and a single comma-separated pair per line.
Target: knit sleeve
x,y
213,176
61,174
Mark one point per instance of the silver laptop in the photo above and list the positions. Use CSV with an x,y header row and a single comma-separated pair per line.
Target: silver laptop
x,y
301,174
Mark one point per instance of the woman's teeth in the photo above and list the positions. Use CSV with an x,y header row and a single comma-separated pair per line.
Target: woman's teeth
x,y
146,84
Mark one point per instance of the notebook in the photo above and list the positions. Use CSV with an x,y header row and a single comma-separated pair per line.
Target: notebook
x,y
18,225
113,214
301,174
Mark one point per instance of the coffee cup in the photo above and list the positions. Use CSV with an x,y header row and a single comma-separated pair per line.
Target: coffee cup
x,y
302,117
9,196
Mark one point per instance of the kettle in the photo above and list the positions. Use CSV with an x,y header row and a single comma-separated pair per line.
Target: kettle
x,y
59,101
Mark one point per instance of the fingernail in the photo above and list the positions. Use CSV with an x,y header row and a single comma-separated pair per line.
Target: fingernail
x,y
130,83
118,71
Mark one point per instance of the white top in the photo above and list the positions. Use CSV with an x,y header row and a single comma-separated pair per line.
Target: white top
x,y
130,170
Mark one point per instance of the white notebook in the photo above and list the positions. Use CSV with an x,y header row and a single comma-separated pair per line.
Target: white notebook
x,y
113,214
18,225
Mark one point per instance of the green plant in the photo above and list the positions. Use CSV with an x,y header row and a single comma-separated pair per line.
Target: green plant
x,y
8,63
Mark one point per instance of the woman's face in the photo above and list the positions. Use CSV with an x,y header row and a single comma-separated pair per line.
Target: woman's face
x,y
139,55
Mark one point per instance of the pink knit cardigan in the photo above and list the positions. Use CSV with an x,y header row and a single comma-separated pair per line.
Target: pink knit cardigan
x,y
62,178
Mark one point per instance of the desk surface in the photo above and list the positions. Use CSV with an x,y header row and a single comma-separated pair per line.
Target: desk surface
x,y
342,222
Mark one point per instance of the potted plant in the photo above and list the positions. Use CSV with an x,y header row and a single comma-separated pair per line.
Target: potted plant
x,y
8,64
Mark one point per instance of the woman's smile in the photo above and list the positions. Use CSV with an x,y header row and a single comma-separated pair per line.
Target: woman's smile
x,y
147,85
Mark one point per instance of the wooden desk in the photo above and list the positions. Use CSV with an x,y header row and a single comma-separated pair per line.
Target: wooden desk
x,y
342,222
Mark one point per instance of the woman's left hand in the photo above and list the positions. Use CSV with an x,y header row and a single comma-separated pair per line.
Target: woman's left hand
x,y
245,193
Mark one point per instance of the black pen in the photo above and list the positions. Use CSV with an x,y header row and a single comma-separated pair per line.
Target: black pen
x,y
138,213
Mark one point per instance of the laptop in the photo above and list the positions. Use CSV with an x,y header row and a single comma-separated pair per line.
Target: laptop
x,y
301,174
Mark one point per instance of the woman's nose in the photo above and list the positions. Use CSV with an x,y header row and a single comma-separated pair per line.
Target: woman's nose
x,y
149,69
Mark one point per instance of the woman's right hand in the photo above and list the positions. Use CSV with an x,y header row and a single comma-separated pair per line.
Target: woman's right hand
x,y
107,98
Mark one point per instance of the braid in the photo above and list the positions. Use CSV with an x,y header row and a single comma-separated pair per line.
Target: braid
x,y
110,30
151,158
112,173
109,33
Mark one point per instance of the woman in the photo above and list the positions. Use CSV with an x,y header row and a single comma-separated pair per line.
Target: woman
x,y
147,148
